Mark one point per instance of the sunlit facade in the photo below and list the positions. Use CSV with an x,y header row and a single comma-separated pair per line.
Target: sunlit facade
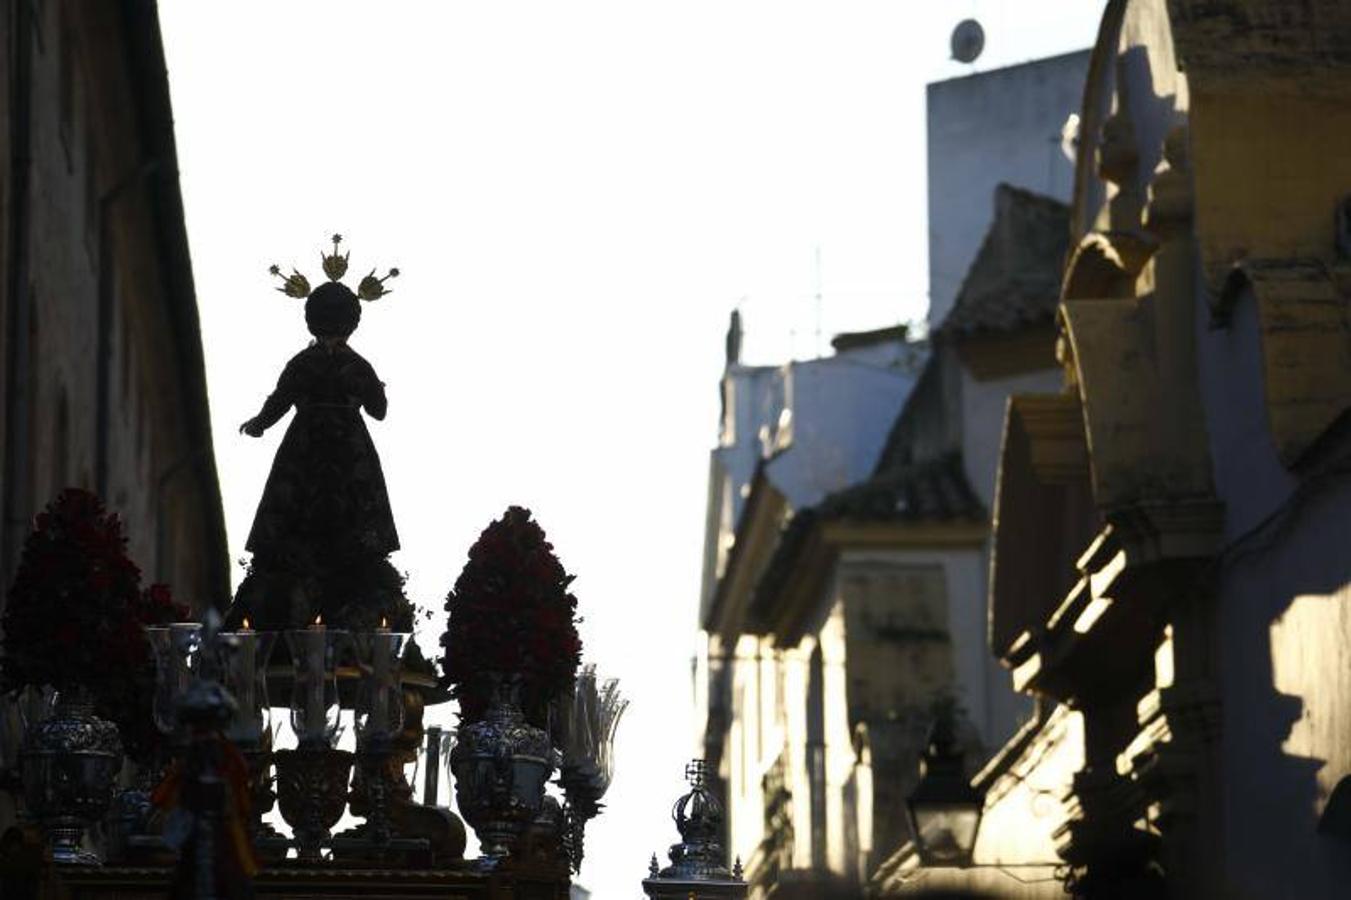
x,y
836,619
1168,579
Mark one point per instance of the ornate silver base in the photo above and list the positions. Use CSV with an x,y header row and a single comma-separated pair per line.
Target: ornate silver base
x,y
312,794
68,764
501,764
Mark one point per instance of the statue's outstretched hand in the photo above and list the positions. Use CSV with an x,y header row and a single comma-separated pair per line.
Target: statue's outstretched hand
x,y
252,428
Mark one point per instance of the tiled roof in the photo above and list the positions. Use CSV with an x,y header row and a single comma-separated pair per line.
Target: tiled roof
x,y
1015,277
933,491
922,492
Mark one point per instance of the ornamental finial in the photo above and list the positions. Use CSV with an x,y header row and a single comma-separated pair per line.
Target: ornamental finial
x,y
293,285
699,862
335,267
372,288
335,263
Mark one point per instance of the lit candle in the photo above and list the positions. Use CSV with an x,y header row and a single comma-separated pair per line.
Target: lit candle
x,y
316,719
244,676
380,718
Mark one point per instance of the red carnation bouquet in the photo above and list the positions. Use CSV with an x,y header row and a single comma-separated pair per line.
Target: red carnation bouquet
x,y
511,616
75,614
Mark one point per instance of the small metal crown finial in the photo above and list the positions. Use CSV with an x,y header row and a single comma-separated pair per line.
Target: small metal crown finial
x,y
699,860
372,288
653,870
736,868
293,285
698,814
335,263
335,267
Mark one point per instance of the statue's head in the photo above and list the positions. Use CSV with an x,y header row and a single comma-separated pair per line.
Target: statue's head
x,y
332,310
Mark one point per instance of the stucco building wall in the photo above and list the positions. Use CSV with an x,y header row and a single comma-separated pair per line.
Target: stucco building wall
x,y
1285,624
983,129
983,403
103,385
1205,401
1283,602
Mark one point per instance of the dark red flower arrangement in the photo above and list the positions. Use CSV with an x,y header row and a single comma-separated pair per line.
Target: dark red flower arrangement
x,y
75,614
511,615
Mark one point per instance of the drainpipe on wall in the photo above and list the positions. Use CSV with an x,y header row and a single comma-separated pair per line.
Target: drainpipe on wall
x,y
19,312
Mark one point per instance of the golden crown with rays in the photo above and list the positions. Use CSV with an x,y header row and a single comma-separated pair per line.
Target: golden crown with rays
x,y
335,266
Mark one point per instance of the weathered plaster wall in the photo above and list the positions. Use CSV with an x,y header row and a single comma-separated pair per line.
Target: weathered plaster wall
x,y
1026,804
867,678
1015,852
745,750
64,277
83,218
983,129
983,404
841,413
1249,477
839,762
90,221
1285,617
1266,183
823,421
981,685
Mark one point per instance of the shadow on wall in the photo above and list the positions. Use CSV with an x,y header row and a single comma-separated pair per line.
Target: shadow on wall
x,y
1285,608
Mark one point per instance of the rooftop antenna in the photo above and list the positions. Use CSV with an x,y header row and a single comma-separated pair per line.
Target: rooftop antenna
x,y
968,40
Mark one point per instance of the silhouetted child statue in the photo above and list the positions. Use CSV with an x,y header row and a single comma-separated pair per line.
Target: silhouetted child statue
x,y
323,531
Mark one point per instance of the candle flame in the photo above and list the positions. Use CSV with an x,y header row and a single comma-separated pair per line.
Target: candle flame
x,y
246,623
319,619
384,622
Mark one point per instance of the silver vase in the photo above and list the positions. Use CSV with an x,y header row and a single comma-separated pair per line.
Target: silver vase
x,y
69,764
501,764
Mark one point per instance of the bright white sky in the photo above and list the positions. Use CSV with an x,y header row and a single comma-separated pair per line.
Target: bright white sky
x,y
577,195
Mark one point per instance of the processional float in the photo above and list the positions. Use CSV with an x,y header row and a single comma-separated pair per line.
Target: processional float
x,y
309,695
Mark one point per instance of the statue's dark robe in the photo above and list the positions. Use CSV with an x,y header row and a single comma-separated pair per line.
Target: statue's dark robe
x,y
323,531
326,494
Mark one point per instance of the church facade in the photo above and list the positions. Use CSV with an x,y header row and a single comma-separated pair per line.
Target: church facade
x,y
1168,577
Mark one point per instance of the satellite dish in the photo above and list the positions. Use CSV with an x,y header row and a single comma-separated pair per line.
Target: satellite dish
x,y
968,39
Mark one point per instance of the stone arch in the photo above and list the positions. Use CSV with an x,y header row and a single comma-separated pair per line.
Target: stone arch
x,y
1106,265
1305,352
